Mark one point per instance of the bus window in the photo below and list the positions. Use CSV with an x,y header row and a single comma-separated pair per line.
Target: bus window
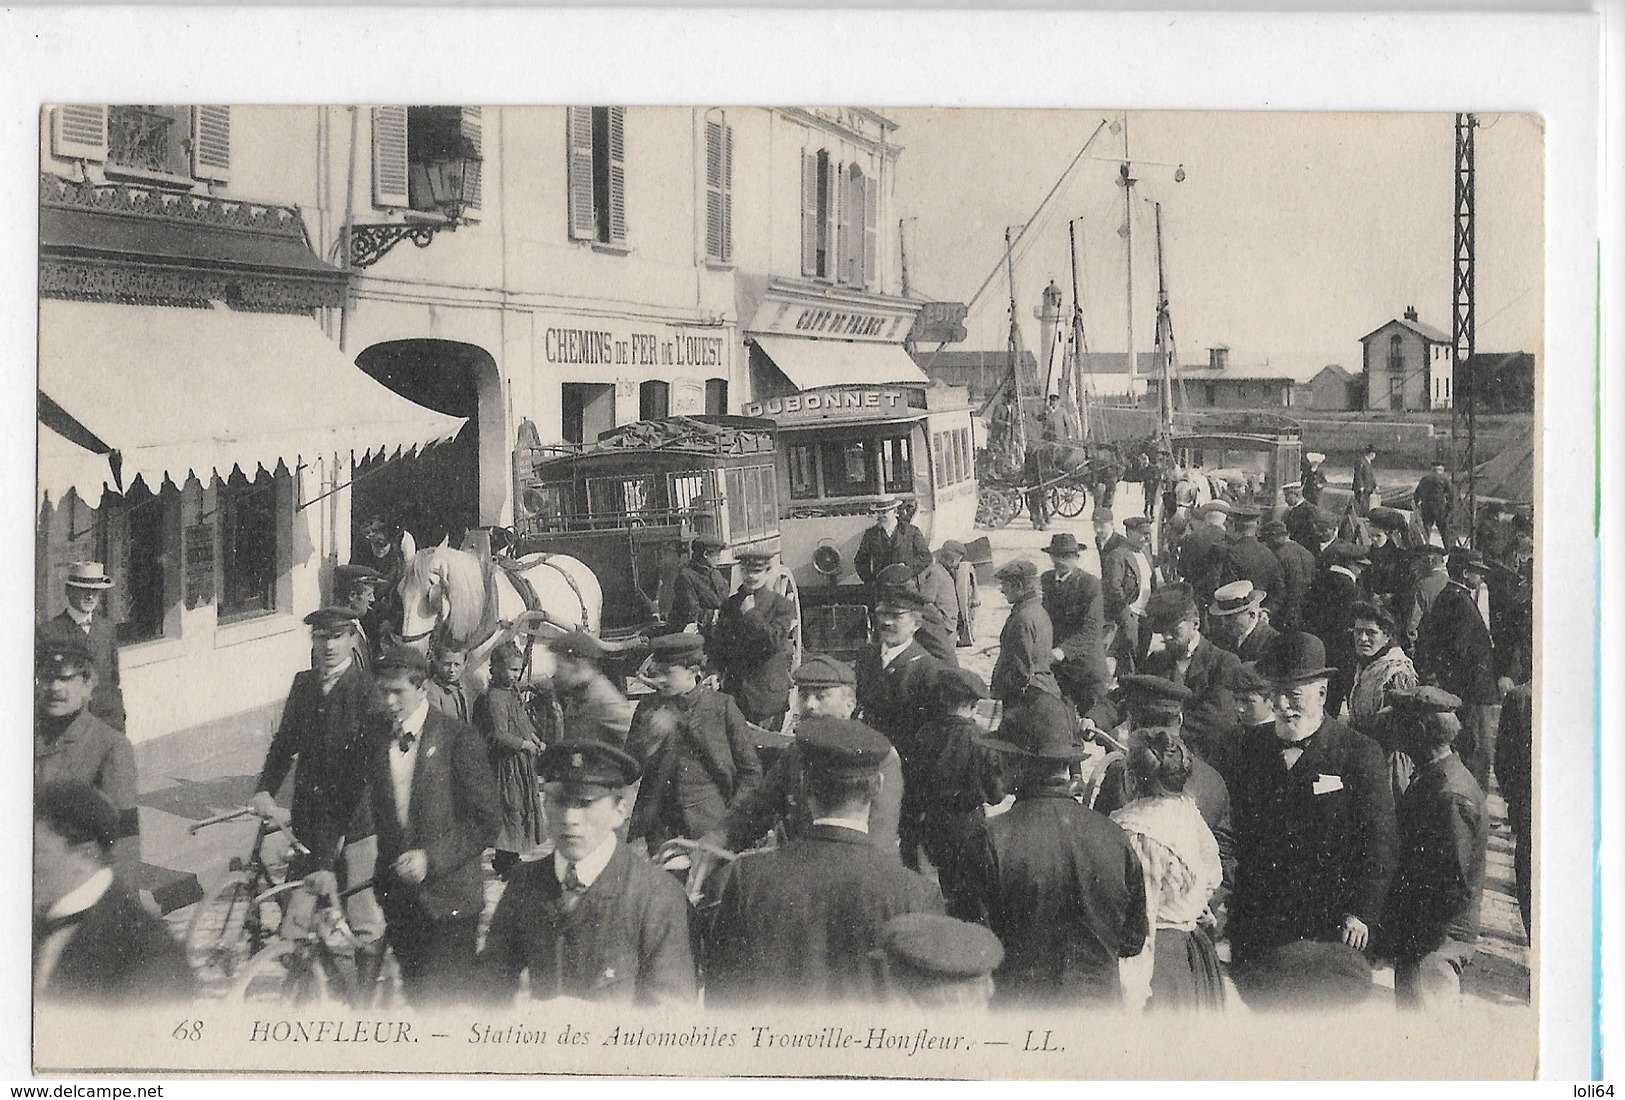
x,y
848,468
738,523
611,497
897,463
941,459
685,489
803,462
768,485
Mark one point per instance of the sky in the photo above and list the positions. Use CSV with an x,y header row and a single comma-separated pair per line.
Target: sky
x,y
1290,237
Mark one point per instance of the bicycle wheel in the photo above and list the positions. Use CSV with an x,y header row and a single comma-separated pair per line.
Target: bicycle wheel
x,y
290,974
223,934
1068,500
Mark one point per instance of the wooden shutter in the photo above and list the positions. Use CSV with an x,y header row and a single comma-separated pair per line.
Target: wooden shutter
x,y
727,193
869,274
835,255
578,138
79,133
471,130
714,139
809,214
389,186
617,175
211,143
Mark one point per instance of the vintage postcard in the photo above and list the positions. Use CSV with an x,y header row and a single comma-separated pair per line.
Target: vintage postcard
x,y
797,589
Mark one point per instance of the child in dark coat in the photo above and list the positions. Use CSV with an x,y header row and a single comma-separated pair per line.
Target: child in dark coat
x,y
512,740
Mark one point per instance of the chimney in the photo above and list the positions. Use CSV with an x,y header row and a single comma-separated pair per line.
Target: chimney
x,y
1410,313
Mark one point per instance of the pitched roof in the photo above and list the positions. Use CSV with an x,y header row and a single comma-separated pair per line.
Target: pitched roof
x,y
1427,332
1245,372
1337,371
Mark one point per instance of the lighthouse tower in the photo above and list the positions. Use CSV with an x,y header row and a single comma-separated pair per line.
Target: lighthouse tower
x,y
1050,356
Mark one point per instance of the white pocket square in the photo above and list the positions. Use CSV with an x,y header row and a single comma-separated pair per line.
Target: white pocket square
x,y
1326,784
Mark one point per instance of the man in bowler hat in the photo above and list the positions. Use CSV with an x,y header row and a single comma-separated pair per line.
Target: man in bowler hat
x,y
1072,599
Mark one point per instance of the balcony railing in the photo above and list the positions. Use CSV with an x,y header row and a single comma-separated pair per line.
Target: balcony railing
x,y
1396,362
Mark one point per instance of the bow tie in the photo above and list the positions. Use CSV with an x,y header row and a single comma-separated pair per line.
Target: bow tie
x,y
1302,746
404,739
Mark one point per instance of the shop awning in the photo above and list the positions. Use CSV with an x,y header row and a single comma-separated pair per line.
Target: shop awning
x,y
176,391
64,465
809,364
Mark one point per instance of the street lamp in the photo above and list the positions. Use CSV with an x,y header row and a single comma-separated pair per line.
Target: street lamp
x,y
444,178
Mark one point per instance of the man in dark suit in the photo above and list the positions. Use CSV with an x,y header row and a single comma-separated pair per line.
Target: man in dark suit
x,y
891,541
1204,551
1072,599
796,925
697,752
1312,476
436,809
1127,579
1297,571
935,634
1430,925
1315,834
596,922
1056,881
1434,495
751,643
1247,559
94,945
699,588
1428,562
1298,516
896,677
1026,641
1237,621
1365,480
325,727
86,589
1328,613
1454,650
71,743
1192,661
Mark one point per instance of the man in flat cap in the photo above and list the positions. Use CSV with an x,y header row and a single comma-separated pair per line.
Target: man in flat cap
x,y
1327,610
1431,575
890,541
951,556
1314,817
1298,567
1072,599
1430,924
1203,552
436,808
1434,495
1248,559
355,589
896,676
952,777
85,617
935,961
1454,650
751,644
1237,619
1056,881
699,588
325,730
94,945
71,743
1026,641
593,708
697,752
597,921
796,925
825,688
936,630
1189,659
1127,579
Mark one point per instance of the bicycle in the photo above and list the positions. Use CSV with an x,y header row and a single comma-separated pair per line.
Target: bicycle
x,y
243,915
326,963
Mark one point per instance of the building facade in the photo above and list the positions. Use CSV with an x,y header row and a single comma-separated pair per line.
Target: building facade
x,y
1332,389
1406,365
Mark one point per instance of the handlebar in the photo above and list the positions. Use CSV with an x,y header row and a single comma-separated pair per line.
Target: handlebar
x,y
266,823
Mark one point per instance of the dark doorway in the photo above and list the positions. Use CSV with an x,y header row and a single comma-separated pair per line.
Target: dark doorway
x,y
654,400
587,409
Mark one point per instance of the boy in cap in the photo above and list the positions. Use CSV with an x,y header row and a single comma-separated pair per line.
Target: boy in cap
x,y
696,749
592,707
1057,883
751,643
1026,641
1431,920
1072,599
596,922
1298,567
700,587
797,924
935,961
951,778
1314,815
94,945
446,691
324,728
85,617
71,743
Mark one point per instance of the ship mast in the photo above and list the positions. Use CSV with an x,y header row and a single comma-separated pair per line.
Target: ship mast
x,y
1167,349
1079,345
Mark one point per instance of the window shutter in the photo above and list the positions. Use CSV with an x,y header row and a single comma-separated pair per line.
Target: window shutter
x,y
211,143
471,130
727,193
809,214
835,261
79,133
713,190
617,175
869,275
578,126
389,157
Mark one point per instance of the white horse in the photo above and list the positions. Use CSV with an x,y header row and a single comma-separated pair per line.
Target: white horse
x,y
455,597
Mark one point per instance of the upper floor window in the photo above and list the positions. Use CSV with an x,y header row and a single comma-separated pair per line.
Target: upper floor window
x,y
818,198
1396,352
719,182
178,142
859,229
405,139
597,173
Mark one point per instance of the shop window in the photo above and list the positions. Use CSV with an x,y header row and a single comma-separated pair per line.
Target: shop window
x,y
249,521
803,465
848,467
716,397
141,533
405,138
819,195
179,142
719,182
897,464
654,399
597,173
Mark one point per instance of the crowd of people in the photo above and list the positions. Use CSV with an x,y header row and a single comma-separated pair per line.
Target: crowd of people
x,y
1255,762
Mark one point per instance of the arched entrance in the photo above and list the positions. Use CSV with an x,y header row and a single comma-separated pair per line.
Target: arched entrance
x,y
445,490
